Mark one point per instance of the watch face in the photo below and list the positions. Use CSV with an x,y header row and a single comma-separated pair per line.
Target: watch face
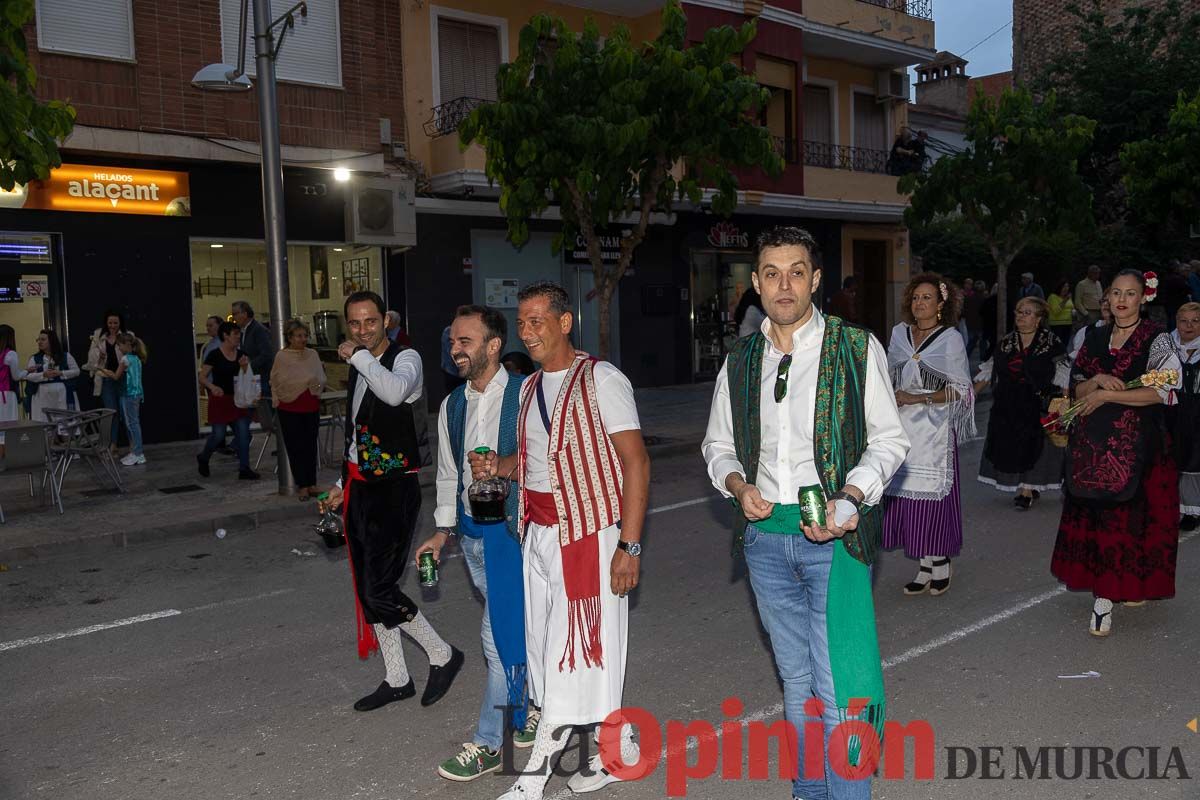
x,y
633,548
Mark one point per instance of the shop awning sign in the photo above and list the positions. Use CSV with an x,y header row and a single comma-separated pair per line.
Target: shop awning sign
x,y
107,190
610,248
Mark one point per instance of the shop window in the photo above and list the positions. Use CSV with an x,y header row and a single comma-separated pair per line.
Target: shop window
x,y
97,28
468,56
311,54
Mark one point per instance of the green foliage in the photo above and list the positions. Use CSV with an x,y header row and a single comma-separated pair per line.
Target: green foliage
x,y
597,128
1162,174
1016,180
1125,74
29,130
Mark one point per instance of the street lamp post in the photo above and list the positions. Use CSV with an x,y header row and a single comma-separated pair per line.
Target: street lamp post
x,y
219,77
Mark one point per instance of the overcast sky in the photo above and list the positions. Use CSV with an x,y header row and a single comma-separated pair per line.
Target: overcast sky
x,y
960,26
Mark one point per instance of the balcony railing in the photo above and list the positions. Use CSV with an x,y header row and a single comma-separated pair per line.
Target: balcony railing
x,y
788,149
921,9
838,156
448,116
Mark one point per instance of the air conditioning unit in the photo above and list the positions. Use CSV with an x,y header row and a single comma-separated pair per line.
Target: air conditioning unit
x,y
382,211
891,85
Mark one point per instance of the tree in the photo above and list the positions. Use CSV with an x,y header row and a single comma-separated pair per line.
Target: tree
x,y
600,127
1016,180
1163,174
29,129
1125,74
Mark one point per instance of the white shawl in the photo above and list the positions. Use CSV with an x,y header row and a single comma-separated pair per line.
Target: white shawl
x,y
934,429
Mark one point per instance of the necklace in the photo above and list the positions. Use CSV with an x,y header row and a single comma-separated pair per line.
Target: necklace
x,y
931,327
1125,327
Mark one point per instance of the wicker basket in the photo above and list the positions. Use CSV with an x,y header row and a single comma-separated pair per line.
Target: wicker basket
x,y
1058,405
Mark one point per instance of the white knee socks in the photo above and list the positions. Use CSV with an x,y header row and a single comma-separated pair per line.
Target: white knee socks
x,y
423,634
541,759
391,647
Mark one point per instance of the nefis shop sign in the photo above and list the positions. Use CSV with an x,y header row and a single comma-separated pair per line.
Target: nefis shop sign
x,y
105,190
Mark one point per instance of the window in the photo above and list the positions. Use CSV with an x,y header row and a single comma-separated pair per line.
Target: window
x,y
870,123
99,28
312,50
818,114
468,57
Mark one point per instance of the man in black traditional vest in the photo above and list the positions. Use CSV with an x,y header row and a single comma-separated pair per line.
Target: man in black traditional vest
x,y
386,444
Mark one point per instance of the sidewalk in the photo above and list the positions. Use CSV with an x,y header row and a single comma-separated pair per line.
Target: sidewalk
x,y
168,498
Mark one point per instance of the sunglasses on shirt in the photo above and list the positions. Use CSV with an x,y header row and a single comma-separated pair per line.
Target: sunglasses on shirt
x,y
781,377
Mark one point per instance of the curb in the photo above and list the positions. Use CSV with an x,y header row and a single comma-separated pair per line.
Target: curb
x,y
243,522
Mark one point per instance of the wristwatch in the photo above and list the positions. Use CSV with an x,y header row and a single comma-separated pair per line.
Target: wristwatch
x,y
840,495
632,548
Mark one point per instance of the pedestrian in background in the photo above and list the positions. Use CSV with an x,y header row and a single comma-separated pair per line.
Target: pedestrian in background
x,y
1119,533
450,376
1172,293
131,356
1184,417
50,376
10,374
259,347
217,375
1060,312
1088,294
517,363
971,306
1017,456
931,379
210,327
1192,272
748,315
1029,288
299,379
102,355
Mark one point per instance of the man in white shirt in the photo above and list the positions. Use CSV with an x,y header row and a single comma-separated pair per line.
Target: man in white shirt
x,y
386,445
585,479
482,413
804,409
1088,294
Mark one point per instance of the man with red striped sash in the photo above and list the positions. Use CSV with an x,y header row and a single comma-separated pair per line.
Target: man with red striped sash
x,y
584,479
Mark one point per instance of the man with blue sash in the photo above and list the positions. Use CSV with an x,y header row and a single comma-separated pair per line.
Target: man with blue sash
x,y
482,413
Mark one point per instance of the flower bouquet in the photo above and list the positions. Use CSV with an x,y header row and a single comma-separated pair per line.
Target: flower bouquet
x,y
1156,378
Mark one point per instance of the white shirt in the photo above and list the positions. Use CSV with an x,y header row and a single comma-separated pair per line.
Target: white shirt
x,y
404,384
618,412
481,428
786,459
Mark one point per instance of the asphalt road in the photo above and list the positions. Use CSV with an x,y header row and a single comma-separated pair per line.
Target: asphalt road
x,y
227,669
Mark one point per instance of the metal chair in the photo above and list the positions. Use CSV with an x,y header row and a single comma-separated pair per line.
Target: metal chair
x,y
27,452
88,436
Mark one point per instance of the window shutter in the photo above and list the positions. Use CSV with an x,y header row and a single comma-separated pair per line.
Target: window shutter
x,y
468,57
102,28
485,60
818,114
311,53
870,123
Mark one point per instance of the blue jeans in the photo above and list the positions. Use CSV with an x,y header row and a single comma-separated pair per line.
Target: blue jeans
x,y
131,409
241,440
490,731
790,578
110,397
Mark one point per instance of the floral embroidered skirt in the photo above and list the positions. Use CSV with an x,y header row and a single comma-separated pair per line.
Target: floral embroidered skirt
x,y
1126,552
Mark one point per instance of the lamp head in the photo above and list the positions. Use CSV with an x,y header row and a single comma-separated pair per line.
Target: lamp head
x,y
221,78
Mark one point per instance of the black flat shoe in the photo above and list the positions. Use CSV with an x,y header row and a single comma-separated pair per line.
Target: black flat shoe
x,y
202,465
919,586
942,586
248,475
1023,503
441,677
385,694
1188,523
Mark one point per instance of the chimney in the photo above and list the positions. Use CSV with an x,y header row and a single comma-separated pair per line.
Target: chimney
x,y
943,83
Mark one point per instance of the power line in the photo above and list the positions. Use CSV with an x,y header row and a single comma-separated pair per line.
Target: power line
x,y
989,36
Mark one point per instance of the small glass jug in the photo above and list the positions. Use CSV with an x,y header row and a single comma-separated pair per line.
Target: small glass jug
x,y
488,496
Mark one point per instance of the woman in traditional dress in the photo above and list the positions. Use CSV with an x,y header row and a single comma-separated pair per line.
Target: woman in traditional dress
x,y
1120,523
50,378
927,360
1017,457
1184,417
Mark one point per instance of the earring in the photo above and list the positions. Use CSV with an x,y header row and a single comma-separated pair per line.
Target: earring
x,y
939,316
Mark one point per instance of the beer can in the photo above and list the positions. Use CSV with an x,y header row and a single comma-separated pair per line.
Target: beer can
x,y
812,506
427,569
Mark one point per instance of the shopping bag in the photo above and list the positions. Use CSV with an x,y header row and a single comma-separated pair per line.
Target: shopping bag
x,y
246,389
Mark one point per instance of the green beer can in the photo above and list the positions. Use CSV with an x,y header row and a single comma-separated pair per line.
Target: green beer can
x,y
812,505
427,569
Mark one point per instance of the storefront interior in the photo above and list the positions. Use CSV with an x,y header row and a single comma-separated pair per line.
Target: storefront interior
x,y
28,275
320,277
719,279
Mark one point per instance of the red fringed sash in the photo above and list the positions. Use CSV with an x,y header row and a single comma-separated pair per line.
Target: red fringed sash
x,y
367,643
581,577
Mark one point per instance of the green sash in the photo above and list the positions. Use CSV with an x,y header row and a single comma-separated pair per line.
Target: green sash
x,y
839,440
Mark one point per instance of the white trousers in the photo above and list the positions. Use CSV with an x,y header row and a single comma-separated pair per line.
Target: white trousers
x,y
589,694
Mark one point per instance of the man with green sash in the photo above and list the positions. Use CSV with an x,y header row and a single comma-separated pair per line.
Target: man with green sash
x,y
803,408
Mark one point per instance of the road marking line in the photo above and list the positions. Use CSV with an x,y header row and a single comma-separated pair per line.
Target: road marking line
x,y
684,504
895,661
120,623
104,626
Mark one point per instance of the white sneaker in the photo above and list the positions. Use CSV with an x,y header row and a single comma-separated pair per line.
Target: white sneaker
x,y
598,777
519,792
132,460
